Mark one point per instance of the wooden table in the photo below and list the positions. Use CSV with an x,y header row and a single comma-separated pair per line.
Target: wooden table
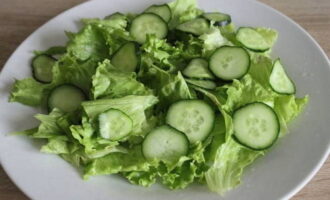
x,y
19,18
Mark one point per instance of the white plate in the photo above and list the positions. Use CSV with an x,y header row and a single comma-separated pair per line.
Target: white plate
x,y
280,174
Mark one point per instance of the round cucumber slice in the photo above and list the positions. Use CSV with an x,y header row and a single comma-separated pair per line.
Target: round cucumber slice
x,y
148,24
42,67
194,117
228,63
165,143
66,97
114,124
256,126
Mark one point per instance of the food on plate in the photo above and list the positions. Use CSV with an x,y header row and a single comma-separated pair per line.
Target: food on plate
x,y
174,94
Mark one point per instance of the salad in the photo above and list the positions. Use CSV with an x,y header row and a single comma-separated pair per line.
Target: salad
x,y
173,94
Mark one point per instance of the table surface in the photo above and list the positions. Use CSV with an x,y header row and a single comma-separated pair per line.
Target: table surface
x,y
19,18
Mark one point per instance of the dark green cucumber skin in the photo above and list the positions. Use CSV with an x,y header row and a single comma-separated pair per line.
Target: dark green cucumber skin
x,y
161,6
295,89
226,80
49,109
197,79
137,53
254,50
220,23
210,131
170,127
252,148
191,32
208,67
33,72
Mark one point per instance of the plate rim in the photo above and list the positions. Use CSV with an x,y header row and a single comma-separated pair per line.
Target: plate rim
x,y
290,194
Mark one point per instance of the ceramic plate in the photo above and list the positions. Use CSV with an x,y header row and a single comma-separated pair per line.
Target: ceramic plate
x,y
278,175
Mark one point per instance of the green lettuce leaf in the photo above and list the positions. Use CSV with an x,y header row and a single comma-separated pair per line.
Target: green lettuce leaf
x,y
49,126
70,71
115,23
230,160
183,10
191,47
161,53
118,162
260,70
143,178
229,32
244,91
56,145
93,145
212,40
29,92
67,70
108,82
167,86
270,36
176,89
182,173
134,106
89,42
287,108
113,30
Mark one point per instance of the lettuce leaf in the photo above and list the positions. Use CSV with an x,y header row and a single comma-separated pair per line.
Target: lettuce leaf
x,y
287,108
56,145
227,169
142,178
161,53
260,70
176,89
118,162
167,86
212,40
134,106
108,82
88,43
67,70
29,92
183,10
244,91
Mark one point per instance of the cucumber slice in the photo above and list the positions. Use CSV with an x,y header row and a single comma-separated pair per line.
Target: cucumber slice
x,y
219,19
206,84
114,124
198,68
148,23
66,98
196,26
252,40
193,117
165,143
125,58
228,63
256,126
42,66
279,80
163,11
